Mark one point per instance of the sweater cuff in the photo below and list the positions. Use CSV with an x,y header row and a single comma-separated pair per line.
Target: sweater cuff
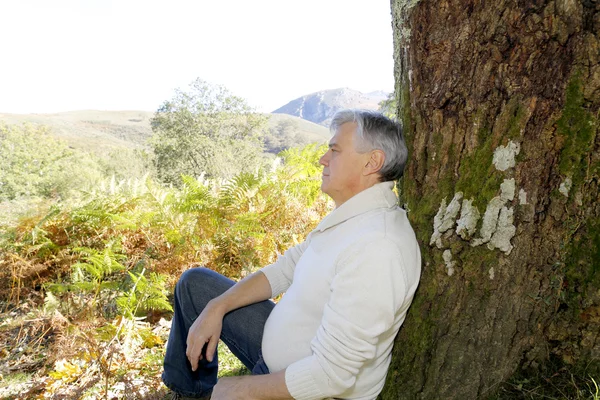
x,y
300,381
277,280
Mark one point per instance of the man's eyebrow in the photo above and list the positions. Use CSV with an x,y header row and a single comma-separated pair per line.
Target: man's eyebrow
x,y
334,144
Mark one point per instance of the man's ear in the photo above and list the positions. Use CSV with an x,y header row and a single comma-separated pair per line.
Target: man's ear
x,y
375,162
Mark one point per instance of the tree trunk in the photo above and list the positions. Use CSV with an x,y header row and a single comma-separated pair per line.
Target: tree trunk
x,y
499,101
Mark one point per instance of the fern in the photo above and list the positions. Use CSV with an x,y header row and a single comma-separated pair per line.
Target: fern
x,y
98,264
144,295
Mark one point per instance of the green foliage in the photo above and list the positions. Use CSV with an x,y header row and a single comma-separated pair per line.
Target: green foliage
x,y
206,130
98,264
232,226
33,163
389,106
146,294
303,173
93,274
125,163
284,135
104,263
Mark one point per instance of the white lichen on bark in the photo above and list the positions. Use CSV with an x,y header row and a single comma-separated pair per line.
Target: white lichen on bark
x,y
504,156
491,272
522,197
507,189
490,221
505,231
497,228
403,7
445,219
447,256
565,187
469,216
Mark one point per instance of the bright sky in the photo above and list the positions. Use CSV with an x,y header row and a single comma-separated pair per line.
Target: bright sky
x,y
61,55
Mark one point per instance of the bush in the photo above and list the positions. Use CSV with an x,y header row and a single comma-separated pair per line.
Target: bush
x,y
33,163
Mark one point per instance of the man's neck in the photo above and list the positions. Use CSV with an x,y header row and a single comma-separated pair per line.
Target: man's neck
x,y
369,184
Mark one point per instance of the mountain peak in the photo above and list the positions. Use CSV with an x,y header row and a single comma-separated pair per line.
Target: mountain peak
x,y
319,107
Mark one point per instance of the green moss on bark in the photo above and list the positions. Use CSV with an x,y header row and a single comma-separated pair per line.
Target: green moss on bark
x,y
476,261
578,126
415,343
478,177
582,265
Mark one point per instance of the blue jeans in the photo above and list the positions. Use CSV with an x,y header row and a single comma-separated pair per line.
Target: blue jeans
x,y
242,332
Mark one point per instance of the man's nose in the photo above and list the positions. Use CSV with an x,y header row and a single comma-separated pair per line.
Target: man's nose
x,y
323,160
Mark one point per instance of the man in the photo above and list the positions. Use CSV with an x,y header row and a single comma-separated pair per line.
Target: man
x,y
348,287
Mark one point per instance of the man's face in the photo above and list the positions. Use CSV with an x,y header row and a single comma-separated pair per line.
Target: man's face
x,y
343,165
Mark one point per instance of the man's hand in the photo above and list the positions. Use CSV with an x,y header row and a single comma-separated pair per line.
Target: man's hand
x,y
255,387
206,330
229,388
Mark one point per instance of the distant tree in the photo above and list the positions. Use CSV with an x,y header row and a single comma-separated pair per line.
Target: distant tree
x,y
206,129
33,163
284,135
389,106
126,163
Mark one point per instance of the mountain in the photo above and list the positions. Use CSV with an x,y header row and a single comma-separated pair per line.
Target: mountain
x,y
100,132
319,107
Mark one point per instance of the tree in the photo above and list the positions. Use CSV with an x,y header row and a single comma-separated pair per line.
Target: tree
x,y
499,102
284,135
126,163
389,106
205,130
33,163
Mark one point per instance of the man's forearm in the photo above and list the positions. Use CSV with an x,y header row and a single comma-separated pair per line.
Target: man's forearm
x,y
252,289
255,387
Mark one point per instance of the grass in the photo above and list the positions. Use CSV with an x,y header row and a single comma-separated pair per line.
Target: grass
x,y
229,365
70,374
555,380
13,384
595,391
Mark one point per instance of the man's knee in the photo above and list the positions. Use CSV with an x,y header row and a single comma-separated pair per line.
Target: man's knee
x,y
194,275
201,283
192,280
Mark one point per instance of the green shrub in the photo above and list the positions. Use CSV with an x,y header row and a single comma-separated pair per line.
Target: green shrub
x,y
33,163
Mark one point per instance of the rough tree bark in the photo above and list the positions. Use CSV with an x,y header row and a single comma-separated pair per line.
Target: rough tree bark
x,y
499,101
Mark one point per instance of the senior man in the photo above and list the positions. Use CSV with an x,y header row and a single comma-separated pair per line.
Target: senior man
x,y
347,289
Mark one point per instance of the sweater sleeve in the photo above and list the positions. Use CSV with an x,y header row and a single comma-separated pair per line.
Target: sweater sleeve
x,y
280,274
366,293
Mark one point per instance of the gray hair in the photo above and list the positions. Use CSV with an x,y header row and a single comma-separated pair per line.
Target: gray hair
x,y
375,131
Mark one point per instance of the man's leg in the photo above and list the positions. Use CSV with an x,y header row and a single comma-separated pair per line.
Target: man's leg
x,y
242,332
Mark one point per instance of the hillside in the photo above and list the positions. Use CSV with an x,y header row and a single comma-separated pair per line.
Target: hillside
x,y
319,107
102,131
287,131
92,130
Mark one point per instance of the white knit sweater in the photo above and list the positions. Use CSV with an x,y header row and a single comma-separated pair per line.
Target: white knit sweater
x,y
348,287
